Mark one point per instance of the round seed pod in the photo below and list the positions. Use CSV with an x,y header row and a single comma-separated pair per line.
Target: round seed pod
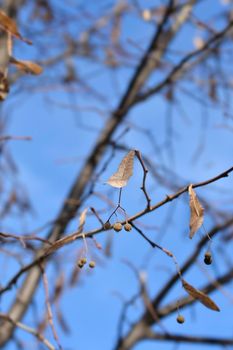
x,y
117,226
128,227
107,225
208,258
180,319
80,264
83,261
92,264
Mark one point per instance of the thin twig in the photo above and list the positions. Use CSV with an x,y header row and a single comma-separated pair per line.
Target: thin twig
x,y
30,330
177,338
49,308
153,244
97,216
23,238
145,172
77,235
179,66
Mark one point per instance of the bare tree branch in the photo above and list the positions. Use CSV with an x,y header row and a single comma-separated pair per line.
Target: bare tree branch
x,y
46,252
149,62
180,68
149,334
30,330
161,68
139,330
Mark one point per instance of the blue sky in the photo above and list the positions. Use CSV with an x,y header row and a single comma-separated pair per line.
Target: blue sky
x,y
47,166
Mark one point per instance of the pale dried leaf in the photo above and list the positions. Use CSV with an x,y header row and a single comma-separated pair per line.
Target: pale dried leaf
x,y
27,66
196,212
124,171
198,295
198,43
82,219
146,15
9,26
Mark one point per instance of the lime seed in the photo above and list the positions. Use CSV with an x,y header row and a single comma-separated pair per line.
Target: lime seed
x,y
91,264
117,226
208,258
127,227
83,261
180,319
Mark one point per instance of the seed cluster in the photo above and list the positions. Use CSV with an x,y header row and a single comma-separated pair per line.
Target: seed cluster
x,y
83,261
118,227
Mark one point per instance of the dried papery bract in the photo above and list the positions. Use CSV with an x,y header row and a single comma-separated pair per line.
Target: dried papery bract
x,y
125,170
196,212
82,219
70,238
27,66
9,26
198,295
